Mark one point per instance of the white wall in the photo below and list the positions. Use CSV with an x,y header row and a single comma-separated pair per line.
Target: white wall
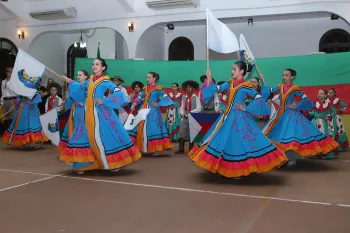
x,y
121,47
48,49
151,45
265,39
106,37
51,48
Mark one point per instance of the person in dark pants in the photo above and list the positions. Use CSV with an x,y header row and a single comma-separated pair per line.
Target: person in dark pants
x,y
41,105
190,104
8,100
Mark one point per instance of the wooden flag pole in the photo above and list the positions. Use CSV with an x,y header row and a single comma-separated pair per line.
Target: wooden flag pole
x,y
206,12
53,72
259,72
9,111
207,58
65,79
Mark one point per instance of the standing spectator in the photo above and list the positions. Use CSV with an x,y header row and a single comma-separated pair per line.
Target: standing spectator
x,y
8,99
53,101
51,82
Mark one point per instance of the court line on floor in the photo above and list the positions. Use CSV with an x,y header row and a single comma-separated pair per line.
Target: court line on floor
x,y
23,172
27,183
209,192
167,187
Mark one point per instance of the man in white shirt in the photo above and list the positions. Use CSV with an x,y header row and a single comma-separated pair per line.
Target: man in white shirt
x,y
213,106
121,113
9,97
53,101
117,80
190,104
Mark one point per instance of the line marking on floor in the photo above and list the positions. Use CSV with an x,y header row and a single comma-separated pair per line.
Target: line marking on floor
x,y
167,187
31,182
31,173
209,192
345,161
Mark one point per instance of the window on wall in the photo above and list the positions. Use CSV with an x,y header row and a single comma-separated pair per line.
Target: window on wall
x,y
8,52
181,49
335,41
73,53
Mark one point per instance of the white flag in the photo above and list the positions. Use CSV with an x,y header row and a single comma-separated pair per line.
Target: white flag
x,y
249,57
25,75
219,37
123,116
133,121
195,127
276,100
49,123
246,54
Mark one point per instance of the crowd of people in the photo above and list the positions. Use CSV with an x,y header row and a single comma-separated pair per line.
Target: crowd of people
x,y
244,139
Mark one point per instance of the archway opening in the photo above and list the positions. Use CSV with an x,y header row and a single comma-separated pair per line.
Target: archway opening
x,y
181,49
8,52
335,41
72,53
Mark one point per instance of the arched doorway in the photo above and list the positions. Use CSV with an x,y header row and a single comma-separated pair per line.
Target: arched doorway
x,y
335,41
8,53
72,53
181,49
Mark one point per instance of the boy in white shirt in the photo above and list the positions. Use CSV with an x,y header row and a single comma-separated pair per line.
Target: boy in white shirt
x,y
53,101
190,104
213,106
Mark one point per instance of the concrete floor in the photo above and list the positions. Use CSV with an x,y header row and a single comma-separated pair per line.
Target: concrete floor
x,y
169,194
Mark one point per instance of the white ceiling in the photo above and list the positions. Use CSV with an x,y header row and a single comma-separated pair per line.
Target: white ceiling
x,y
313,15
4,15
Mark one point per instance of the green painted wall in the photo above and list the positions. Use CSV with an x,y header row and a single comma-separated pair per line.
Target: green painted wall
x,y
313,70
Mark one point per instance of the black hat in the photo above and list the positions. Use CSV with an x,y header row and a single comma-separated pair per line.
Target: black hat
x,y
118,78
138,83
194,84
203,77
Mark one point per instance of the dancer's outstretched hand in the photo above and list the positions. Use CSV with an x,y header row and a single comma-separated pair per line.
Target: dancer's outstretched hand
x,y
99,101
240,106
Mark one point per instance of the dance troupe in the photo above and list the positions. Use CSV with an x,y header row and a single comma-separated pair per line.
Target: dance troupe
x,y
243,140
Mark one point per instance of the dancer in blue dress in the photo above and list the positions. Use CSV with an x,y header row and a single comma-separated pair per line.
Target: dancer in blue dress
x,y
265,93
68,128
289,129
25,129
235,146
173,119
151,135
73,116
111,145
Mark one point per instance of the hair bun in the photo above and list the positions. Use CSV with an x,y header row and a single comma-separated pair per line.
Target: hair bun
x,y
293,72
249,67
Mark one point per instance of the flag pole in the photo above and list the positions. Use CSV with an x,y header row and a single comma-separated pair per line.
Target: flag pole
x,y
259,72
53,72
206,12
63,78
